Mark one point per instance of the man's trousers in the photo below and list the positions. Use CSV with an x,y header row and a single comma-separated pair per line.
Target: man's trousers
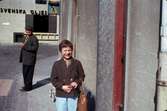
x,y
28,72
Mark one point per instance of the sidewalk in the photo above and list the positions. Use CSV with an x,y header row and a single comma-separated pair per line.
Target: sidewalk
x,y
36,100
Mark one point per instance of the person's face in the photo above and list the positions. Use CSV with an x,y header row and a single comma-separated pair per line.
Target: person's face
x,y
66,52
28,32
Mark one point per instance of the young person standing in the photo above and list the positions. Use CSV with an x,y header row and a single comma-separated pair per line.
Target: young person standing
x,y
67,76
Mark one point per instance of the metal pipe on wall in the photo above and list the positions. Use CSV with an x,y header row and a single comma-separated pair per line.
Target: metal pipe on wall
x,y
162,75
69,22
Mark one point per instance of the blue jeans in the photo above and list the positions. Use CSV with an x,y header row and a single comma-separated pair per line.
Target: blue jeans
x,y
66,104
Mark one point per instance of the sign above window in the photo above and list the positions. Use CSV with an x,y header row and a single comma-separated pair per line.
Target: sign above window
x,y
54,7
54,1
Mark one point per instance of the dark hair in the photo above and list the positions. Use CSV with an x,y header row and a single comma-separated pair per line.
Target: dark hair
x,y
29,28
65,43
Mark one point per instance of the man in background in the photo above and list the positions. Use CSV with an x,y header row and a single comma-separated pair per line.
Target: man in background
x,y
28,55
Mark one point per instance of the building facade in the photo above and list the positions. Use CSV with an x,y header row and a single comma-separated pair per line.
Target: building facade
x,y
16,14
118,43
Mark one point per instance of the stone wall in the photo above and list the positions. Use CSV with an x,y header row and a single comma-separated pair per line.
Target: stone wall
x,y
141,54
86,41
105,53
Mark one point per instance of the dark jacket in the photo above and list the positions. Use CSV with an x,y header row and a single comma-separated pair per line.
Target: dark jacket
x,y
29,51
61,75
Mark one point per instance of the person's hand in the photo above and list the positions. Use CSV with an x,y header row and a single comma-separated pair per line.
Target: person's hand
x,y
67,88
74,85
22,45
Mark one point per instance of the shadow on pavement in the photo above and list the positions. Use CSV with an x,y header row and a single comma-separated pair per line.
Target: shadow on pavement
x,y
91,101
41,83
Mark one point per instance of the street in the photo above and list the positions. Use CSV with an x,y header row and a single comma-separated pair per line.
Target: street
x,y
11,80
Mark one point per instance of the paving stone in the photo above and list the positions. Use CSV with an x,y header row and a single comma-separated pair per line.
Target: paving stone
x,y
5,86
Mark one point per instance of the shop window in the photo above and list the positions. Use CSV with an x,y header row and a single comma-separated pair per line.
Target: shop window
x,y
18,36
40,1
